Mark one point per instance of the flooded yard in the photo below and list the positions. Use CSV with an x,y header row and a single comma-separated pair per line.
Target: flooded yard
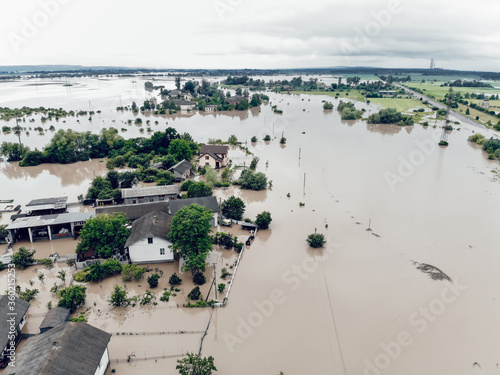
x,y
384,196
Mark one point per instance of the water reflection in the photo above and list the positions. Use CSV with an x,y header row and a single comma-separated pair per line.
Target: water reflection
x,y
70,174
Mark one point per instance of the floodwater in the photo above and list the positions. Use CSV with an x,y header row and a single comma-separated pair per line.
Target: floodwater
x,y
359,305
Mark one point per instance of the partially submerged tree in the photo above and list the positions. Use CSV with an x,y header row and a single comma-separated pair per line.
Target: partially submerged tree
x,y
23,257
233,208
190,237
72,297
195,365
263,220
119,297
316,240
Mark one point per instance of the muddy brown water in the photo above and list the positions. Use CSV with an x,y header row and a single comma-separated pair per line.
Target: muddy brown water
x,y
357,306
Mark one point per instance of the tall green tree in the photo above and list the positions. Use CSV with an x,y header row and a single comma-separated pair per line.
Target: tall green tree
x,y
105,234
233,208
190,237
180,149
195,365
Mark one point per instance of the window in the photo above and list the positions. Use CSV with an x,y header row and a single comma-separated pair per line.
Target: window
x,y
162,251
150,240
207,157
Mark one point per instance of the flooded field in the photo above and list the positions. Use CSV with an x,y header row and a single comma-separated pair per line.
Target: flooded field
x,y
384,196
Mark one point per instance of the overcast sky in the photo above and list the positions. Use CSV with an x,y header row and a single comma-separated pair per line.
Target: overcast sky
x,y
252,33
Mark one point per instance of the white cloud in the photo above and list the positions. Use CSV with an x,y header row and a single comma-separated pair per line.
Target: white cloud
x,y
254,34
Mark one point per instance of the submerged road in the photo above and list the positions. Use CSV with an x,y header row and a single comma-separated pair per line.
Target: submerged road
x,y
457,115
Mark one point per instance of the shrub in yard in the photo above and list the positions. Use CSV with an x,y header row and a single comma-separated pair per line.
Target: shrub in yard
x,y
199,278
195,293
153,280
174,280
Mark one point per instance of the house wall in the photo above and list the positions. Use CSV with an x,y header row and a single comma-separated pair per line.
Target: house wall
x,y
144,252
153,198
103,364
203,161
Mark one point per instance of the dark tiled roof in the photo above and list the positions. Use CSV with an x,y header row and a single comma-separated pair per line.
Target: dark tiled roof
x,y
54,317
214,151
57,203
181,168
20,309
155,223
182,102
134,211
70,348
208,202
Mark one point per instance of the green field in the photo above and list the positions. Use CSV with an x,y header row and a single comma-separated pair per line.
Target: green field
x,y
352,94
439,92
402,105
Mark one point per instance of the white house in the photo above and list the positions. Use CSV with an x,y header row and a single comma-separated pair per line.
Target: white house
x,y
148,241
214,156
74,348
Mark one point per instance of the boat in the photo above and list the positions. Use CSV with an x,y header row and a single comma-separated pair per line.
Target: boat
x,y
6,200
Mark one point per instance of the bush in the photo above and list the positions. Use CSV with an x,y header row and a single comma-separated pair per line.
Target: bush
x,y
328,105
316,240
263,220
267,138
224,239
130,271
166,295
221,287
153,280
28,295
199,278
174,280
254,139
195,293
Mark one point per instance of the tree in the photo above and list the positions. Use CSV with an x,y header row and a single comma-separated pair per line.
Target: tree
x,y
195,365
105,234
13,151
316,240
186,185
232,140
328,105
180,149
256,100
199,189
210,176
119,297
233,208
263,220
72,297
190,237
178,82
23,258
